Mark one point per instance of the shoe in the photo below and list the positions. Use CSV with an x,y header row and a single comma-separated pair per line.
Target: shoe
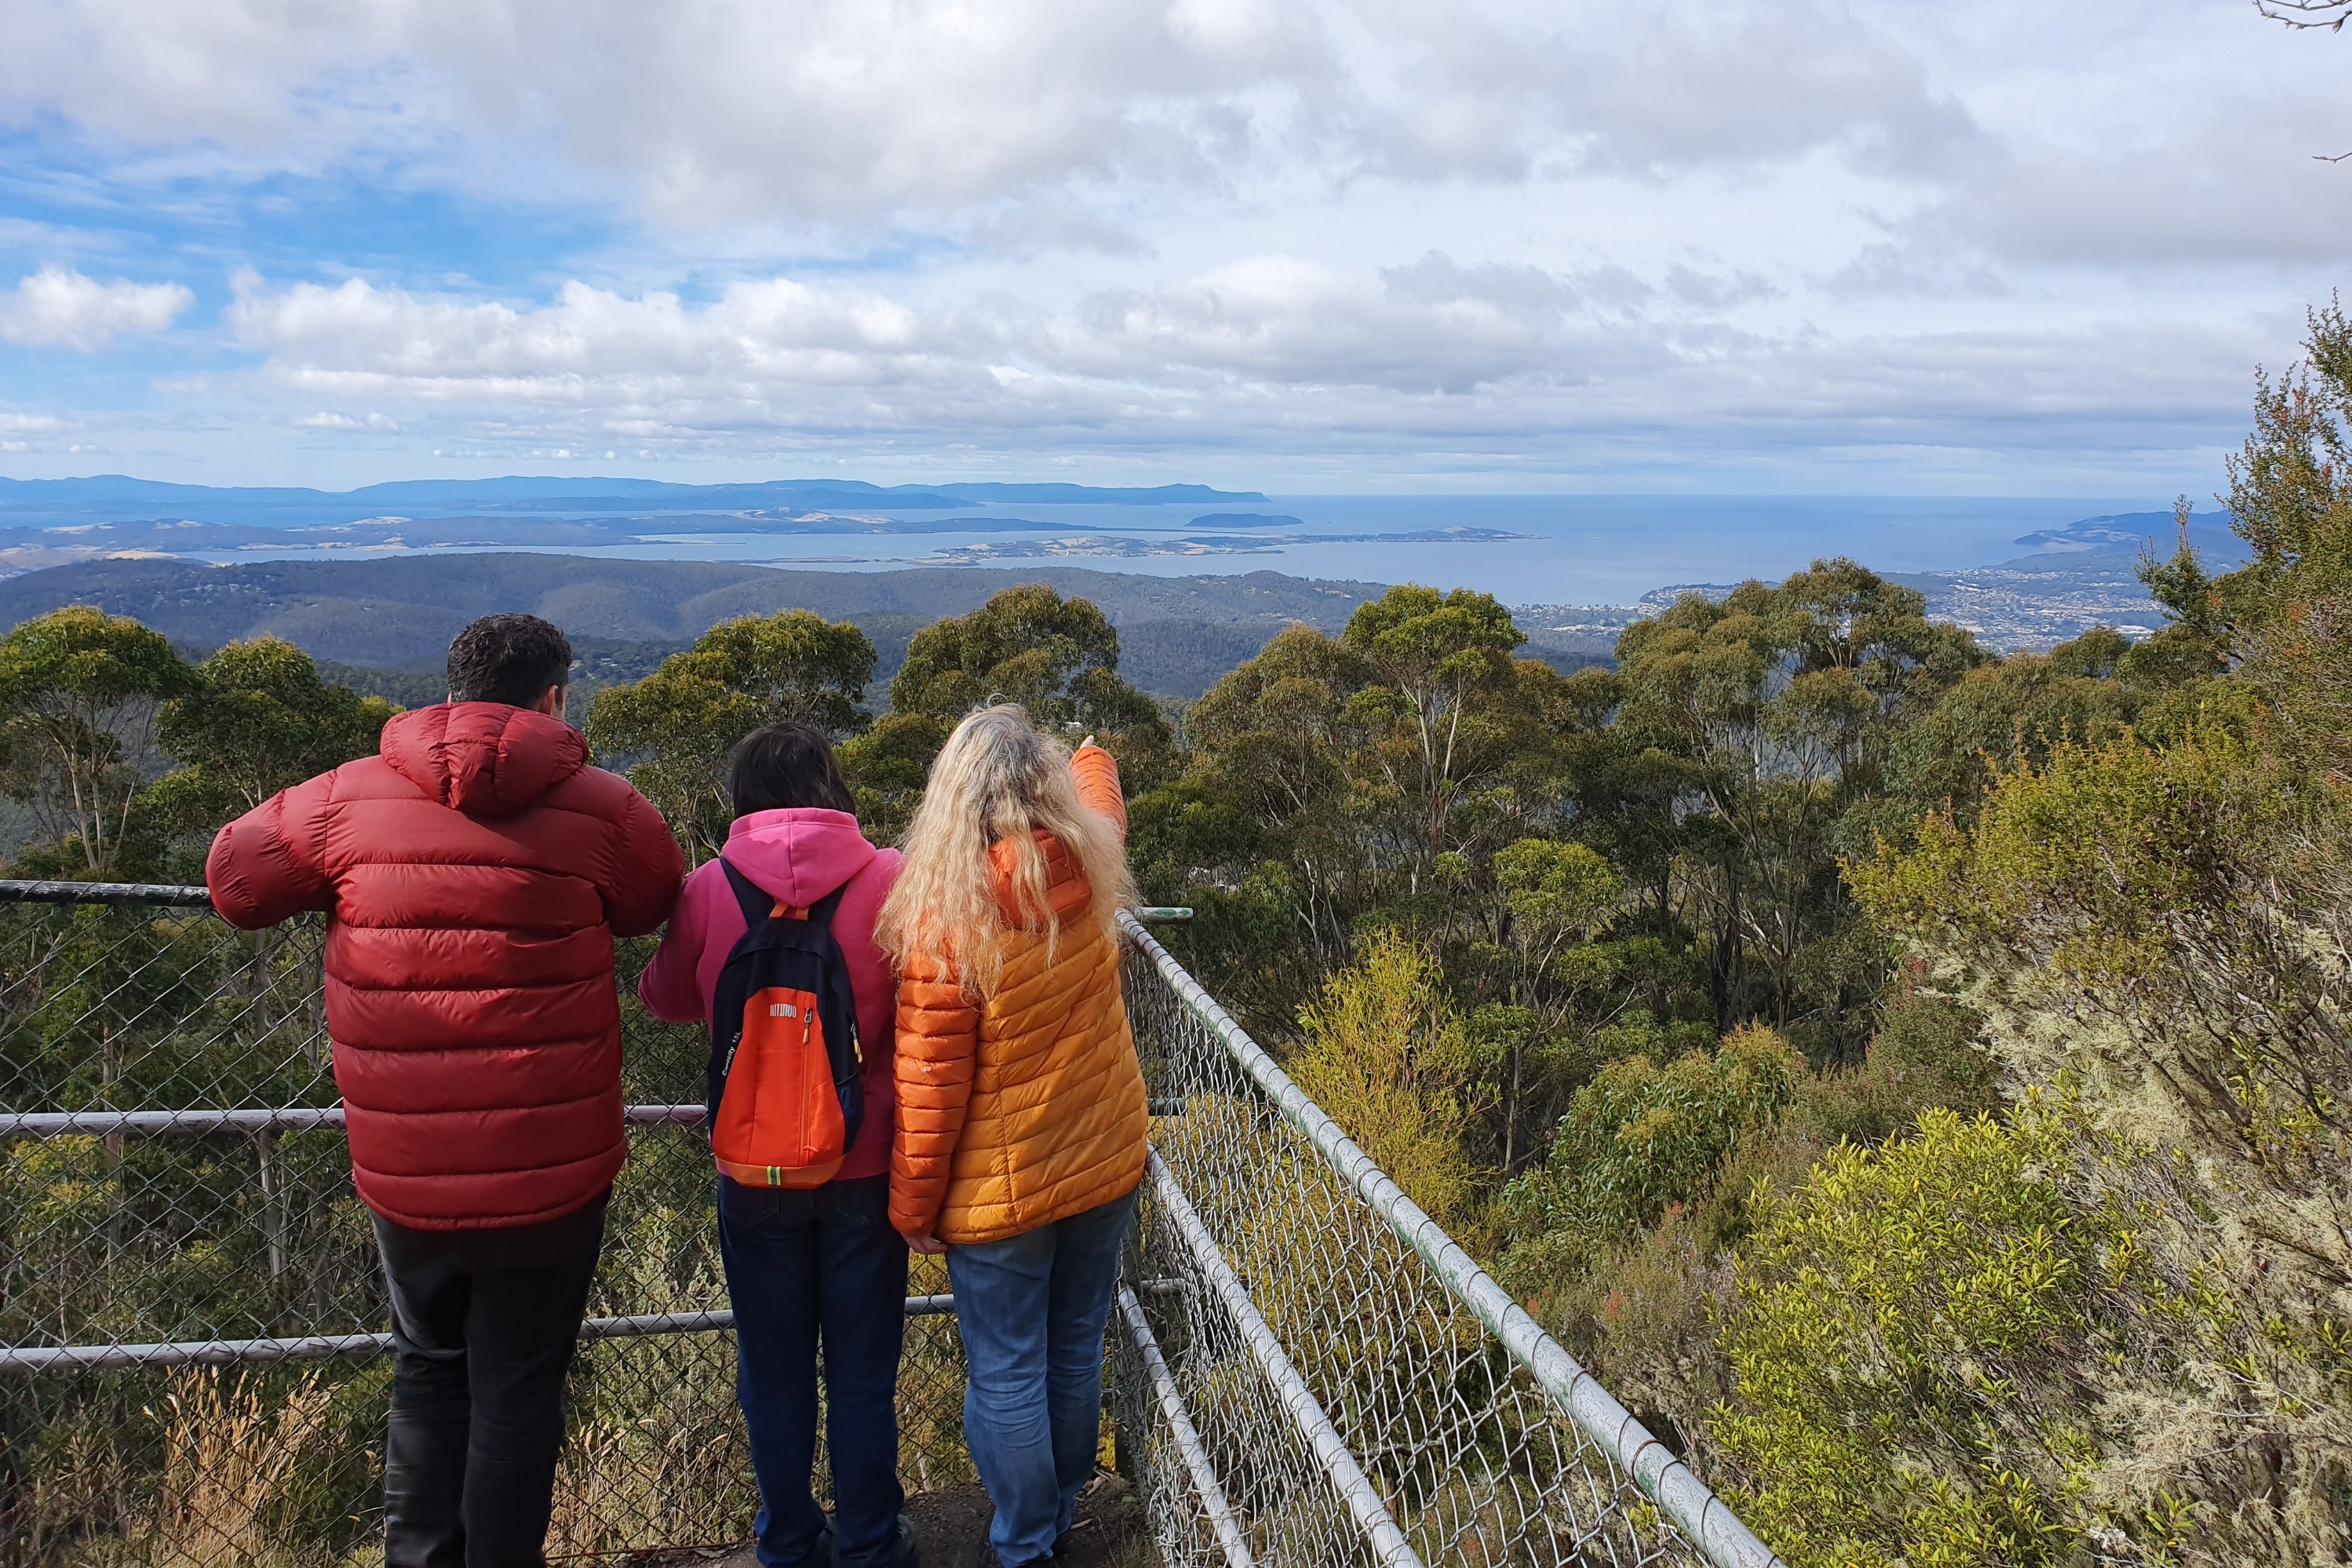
x,y
819,1551
903,1551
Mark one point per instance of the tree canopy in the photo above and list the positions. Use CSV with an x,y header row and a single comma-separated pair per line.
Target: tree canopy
x,y
256,717
674,728
1057,657
80,696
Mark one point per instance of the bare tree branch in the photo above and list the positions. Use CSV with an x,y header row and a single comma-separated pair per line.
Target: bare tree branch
x,y
2329,14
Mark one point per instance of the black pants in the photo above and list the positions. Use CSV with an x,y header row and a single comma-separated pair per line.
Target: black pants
x,y
804,1268
483,1324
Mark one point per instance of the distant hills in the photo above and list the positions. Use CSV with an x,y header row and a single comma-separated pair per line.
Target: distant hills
x,y
2130,532
115,498
410,579
1177,635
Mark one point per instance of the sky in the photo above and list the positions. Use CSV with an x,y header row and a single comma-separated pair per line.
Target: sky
x,y
1986,247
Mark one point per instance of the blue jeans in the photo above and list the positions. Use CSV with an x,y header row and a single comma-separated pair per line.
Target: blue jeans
x,y
1032,1310
804,1266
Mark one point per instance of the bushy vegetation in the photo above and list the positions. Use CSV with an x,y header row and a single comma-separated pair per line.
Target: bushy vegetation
x,y
1915,1080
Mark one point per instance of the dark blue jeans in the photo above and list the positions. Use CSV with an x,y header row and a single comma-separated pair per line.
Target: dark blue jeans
x,y
805,1268
1032,1310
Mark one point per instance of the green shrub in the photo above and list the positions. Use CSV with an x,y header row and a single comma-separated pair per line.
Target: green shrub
x,y
1911,1345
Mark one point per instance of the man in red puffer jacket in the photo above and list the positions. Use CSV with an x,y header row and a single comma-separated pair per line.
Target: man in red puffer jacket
x,y
477,871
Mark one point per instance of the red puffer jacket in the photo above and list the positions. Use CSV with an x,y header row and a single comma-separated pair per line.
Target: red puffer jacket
x,y
477,871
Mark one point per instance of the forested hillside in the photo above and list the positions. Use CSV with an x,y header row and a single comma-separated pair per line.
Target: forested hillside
x,y
400,613
1915,1079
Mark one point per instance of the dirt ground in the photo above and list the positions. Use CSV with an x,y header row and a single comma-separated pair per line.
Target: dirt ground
x,y
952,1527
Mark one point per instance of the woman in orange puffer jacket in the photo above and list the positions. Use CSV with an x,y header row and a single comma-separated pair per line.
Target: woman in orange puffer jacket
x,y
1022,1117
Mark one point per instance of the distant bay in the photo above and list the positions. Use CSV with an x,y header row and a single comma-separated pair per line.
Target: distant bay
x,y
1554,551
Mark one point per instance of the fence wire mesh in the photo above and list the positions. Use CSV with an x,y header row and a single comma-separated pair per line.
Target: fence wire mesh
x,y
1350,1403
193,1366
173,1237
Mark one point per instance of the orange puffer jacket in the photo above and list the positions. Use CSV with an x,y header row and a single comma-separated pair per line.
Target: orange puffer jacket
x,y
1029,1107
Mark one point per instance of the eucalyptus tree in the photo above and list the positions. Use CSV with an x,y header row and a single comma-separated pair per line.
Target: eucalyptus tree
x,y
674,728
1057,657
1786,700
1442,677
1279,738
81,694
255,719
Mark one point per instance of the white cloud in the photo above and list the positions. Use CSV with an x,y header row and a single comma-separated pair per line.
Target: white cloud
x,y
840,110
588,344
1432,326
327,420
1427,327
59,308
1376,232
1275,355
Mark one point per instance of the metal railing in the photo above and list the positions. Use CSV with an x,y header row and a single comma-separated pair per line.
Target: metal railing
x,y
192,1355
1360,1389
192,1362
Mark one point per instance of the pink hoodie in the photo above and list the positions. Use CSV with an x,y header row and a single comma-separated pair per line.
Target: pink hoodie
x,y
800,855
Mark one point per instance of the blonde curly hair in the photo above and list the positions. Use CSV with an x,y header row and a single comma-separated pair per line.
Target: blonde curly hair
x,y
999,779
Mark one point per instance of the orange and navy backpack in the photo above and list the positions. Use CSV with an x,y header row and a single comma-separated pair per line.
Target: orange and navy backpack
x,y
785,1099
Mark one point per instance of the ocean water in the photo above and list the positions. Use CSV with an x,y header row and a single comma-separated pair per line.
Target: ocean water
x,y
1559,550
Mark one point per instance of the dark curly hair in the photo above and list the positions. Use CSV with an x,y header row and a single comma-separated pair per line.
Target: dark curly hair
x,y
508,658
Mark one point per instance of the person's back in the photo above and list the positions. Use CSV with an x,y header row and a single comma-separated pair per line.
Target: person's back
x,y
1022,1117
808,1261
477,871
1053,1118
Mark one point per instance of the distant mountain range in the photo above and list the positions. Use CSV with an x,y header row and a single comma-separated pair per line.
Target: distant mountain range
x,y
393,609
114,498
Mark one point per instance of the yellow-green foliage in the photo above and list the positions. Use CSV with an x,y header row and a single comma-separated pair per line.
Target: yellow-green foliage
x,y
1387,1057
2157,939
2089,861
1901,1341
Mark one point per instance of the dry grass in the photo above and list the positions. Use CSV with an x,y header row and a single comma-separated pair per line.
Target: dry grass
x,y
237,1452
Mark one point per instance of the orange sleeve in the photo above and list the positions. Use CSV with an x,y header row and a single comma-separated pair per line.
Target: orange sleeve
x,y
938,1048
1096,773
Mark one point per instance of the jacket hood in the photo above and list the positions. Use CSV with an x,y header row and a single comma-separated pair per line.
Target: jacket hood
x,y
485,759
798,855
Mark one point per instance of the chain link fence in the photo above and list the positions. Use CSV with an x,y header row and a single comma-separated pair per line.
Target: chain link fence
x,y
1317,1374
193,1361
193,1365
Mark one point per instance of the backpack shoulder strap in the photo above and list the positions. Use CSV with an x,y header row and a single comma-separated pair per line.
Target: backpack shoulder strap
x,y
756,901
821,912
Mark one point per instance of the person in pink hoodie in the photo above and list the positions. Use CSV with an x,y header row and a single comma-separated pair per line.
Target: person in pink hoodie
x,y
817,1265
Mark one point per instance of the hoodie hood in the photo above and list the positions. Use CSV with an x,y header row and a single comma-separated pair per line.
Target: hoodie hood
x,y
485,759
799,856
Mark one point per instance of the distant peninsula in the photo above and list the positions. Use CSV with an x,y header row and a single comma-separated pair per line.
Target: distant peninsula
x,y
115,498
